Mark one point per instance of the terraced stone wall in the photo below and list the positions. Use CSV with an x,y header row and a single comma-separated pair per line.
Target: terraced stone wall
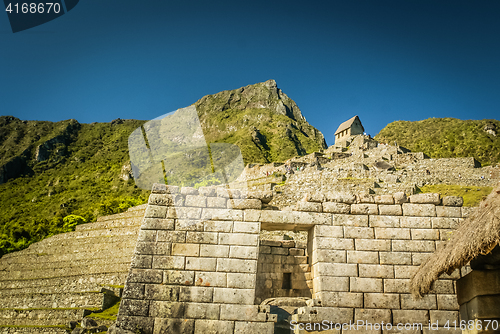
x,y
199,263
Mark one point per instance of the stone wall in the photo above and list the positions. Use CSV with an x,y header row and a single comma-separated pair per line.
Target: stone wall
x,y
200,266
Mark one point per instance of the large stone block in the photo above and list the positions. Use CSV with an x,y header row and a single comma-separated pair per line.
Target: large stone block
x,y
189,225
222,214
168,262
245,204
416,222
145,276
132,323
177,326
372,245
213,326
404,271
341,197
363,284
178,277
329,255
185,249
392,233
308,206
427,302
395,257
157,224
238,239
241,281
358,232
397,285
133,307
216,202
246,227
400,198
196,201
372,316
201,311
364,209
335,269
350,220
234,296
424,234
453,201
439,222
384,199
249,312
381,300
333,243
166,309
441,317
153,248
447,302
243,252
419,210
413,245
172,236
200,263
161,292
218,226
207,191
156,211
253,327
328,231
340,299
184,212
426,198
329,283
448,211
214,251
196,294
384,221
411,317
376,270
236,265
202,237
390,210
210,279
334,207
362,257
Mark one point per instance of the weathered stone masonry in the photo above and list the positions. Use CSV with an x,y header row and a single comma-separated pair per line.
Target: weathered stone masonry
x,y
200,266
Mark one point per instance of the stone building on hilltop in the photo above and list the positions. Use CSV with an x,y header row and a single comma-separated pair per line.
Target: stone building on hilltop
x,y
349,128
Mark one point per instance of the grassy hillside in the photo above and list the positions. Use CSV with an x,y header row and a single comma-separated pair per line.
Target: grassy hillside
x,y
79,180
447,138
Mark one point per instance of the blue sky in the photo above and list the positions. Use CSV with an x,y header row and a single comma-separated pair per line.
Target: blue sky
x,y
381,60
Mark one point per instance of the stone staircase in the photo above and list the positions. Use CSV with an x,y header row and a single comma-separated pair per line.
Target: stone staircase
x,y
61,278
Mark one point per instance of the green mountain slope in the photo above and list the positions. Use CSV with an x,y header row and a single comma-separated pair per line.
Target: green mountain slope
x,y
51,171
447,138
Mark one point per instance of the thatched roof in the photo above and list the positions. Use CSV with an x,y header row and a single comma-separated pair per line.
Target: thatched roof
x,y
347,124
476,235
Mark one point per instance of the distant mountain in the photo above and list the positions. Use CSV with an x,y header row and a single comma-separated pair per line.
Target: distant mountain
x,y
263,121
54,175
447,138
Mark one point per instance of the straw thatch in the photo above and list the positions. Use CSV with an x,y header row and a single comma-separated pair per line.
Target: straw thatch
x,y
476,235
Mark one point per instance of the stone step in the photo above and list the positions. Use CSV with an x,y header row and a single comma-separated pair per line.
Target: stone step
x,y
107,251
72,245
40,317
85,263
71,283
62,272
32,330
54,300
126,230
132,221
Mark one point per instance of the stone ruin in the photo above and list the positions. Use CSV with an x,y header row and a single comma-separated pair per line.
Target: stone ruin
x,y
200,265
